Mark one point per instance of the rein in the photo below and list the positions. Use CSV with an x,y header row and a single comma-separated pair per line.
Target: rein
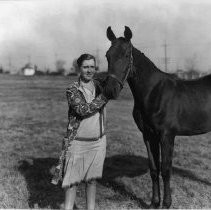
x,y
121,82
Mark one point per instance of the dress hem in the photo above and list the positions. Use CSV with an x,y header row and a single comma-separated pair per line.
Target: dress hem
x,y
82,181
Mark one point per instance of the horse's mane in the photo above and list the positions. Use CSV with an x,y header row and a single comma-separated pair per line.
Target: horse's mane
x,y
145,62
144,58
148,64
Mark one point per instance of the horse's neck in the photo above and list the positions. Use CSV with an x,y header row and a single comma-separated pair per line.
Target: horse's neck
x,y
145,72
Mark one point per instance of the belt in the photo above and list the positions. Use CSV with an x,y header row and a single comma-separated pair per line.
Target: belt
x,y
89,139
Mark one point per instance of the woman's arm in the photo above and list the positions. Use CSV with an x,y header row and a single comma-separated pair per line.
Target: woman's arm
x,y
79,105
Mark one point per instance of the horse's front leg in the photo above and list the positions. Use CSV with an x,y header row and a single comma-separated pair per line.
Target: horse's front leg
x,y
167,147
152,145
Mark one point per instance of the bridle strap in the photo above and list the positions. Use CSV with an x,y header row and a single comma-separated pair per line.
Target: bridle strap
x,y
121,82
130,68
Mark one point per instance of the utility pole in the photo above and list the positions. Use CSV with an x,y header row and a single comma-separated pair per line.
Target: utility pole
x,y
9,63
165,58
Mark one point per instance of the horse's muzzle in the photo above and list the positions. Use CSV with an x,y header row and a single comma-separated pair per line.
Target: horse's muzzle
x,y
112,88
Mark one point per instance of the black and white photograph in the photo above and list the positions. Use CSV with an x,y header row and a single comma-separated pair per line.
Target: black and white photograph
x,y
105,104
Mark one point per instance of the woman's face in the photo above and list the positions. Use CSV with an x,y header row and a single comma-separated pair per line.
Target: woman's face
x,y
87,70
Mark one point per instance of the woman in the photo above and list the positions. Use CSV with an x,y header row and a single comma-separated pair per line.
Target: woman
x,y
85,146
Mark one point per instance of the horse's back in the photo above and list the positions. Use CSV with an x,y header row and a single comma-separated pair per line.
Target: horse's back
x,y
191,106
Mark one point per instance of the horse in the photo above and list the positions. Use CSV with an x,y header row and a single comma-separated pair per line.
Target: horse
x,y
164,106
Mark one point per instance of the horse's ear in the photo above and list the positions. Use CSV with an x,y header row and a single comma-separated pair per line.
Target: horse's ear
x,y
110,34
127,33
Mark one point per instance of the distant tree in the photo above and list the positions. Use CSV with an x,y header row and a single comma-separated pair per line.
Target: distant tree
x,y
39,72
191,66
192,74
47,70
35,67
75,67
1,70
191,63
60,67
28,65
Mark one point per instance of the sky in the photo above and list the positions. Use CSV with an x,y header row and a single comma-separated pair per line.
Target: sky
x,y
43,31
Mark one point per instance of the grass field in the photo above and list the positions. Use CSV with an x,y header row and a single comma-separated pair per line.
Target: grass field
x,y
33,116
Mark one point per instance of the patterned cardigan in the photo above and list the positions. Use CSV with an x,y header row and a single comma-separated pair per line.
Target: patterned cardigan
x,y
78,110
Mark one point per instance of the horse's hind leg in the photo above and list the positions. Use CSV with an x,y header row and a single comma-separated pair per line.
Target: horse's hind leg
x,y
152,144
167,147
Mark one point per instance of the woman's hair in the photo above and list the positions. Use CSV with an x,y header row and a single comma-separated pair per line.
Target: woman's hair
x,y
85,57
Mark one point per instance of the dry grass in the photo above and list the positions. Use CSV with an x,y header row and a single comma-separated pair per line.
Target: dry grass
x,y
33,121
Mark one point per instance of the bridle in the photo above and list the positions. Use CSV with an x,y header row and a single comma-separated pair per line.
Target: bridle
x,y
130,67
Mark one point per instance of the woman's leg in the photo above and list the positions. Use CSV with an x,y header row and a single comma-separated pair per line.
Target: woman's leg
x,y
70,194
90,194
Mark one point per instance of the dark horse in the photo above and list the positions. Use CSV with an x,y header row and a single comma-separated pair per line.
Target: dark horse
x,y
164,106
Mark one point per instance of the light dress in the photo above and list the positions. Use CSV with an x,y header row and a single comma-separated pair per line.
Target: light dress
x,y
85,157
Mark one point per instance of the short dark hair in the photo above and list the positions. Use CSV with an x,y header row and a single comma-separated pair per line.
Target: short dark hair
x,y
84,57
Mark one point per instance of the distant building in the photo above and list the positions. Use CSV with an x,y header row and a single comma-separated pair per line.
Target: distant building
x,y
28,70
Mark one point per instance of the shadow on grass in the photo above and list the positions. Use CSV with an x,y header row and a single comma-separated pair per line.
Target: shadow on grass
x,y
191,175
124,166
43,194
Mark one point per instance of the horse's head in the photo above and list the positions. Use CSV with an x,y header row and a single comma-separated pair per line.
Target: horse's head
x,y
120,61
